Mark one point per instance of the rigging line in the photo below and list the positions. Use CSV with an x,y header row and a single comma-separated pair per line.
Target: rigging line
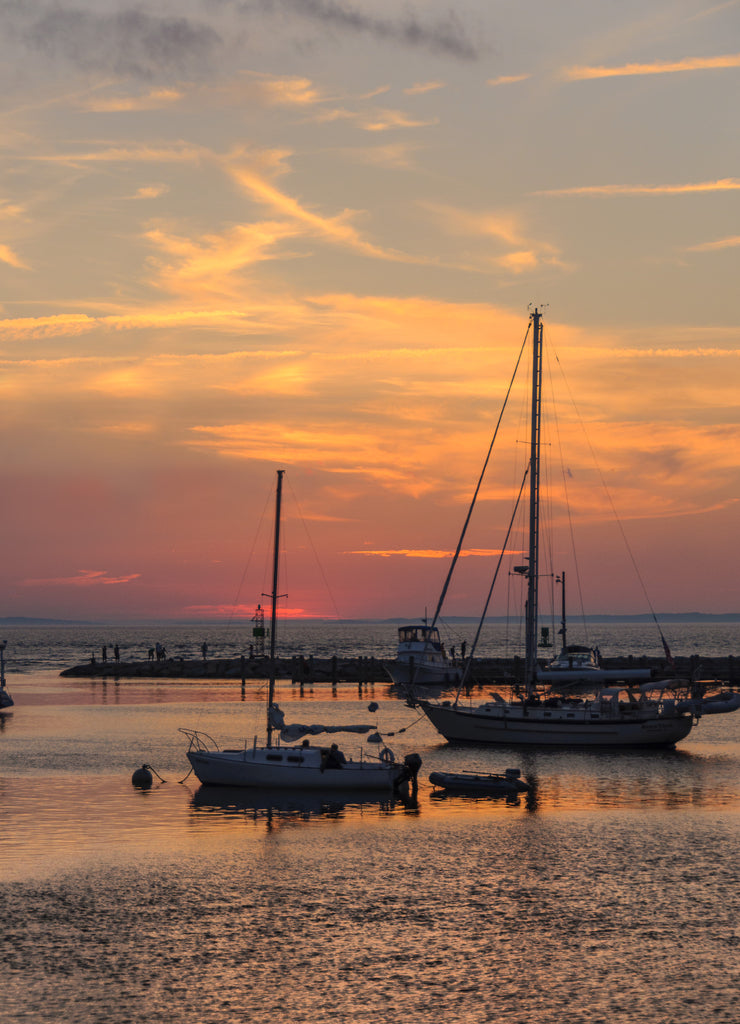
x,y
568,505
469,661
313,549
235,603
456,556
616,517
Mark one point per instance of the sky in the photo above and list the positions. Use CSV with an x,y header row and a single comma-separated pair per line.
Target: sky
x,y
243,235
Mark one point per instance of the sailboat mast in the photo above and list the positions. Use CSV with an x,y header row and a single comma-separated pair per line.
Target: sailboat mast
x,y
530,664
563,620
274,595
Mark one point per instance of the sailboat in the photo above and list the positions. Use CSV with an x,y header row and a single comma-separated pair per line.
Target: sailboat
x,y
304,767
614,716
6,701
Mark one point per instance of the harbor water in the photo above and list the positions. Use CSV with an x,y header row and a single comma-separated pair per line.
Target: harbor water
x,y
606,894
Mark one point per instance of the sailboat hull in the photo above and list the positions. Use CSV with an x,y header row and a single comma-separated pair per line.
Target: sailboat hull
x,y
290,768
512,724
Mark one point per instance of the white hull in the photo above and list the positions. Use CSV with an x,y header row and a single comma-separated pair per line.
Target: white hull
x,y
420,674
516,724
294,768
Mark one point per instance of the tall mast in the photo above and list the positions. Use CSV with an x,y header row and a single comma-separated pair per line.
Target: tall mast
x,y
274,596
530,663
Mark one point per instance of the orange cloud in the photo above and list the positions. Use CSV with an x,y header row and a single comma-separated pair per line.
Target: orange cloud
x,y
721,243
422,87
85,578
412,553
721,185
155,100
656,68
508,79
12,259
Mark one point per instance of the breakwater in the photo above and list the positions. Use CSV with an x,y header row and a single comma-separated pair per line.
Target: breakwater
x,y
484,671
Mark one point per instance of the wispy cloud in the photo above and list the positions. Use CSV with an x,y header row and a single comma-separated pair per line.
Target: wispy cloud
x,y
585,72
385,120
421,87
130,42
7,255
721,243
505,227
84,578
444,36
508,79
158,99
429,553
721,185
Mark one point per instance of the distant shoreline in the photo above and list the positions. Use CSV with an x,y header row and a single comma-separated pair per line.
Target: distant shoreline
x,y
666,617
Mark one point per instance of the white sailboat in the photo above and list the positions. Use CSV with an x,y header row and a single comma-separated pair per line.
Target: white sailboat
x,y
614,716
304,767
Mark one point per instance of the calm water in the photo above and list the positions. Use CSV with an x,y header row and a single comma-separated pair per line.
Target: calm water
x,y
608,895
33,648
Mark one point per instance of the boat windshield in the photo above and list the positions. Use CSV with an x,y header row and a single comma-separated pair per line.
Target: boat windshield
x,y
418,634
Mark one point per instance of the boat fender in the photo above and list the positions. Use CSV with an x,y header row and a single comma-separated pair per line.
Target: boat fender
x,y
386,755
413,764
142,777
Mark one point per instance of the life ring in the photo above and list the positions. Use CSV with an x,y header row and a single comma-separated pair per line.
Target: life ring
x,y
386,756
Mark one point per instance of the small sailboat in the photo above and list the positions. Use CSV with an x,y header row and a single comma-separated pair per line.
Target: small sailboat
x,y
6,701
614,716
304,767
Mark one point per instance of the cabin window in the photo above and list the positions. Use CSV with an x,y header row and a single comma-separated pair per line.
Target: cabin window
x,y
298,760
274,757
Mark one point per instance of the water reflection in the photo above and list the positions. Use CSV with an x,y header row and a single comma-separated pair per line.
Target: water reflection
x,y
285,808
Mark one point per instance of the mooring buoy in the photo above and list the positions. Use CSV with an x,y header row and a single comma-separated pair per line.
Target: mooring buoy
x,y
142,777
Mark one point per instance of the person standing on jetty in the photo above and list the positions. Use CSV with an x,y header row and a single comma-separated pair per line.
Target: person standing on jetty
x,y
204,650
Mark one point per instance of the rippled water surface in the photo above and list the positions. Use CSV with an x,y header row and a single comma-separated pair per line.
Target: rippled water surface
x,y
609,894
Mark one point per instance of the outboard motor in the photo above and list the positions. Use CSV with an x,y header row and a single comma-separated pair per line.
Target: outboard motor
x,y
410,773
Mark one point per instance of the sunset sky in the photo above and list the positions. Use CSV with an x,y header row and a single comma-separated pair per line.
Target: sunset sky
x,y
242,235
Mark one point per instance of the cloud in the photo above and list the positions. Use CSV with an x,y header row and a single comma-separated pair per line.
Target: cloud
x,y
721,185
11,258
157,99
421,87
47,326
151,191
446,36
508,79
84,578
430,553
505,227
721,243
583,73
131,42
383,120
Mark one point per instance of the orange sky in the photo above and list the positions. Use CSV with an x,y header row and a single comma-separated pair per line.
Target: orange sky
x,y
239,237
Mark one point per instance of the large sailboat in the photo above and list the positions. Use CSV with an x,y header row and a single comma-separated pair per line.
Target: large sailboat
x,y
619,713
303,767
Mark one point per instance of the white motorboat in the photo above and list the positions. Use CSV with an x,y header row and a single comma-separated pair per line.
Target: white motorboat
x,y
304,767
421,659
614,716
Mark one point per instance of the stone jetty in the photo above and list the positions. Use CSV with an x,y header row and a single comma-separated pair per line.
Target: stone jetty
x,y
300,669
